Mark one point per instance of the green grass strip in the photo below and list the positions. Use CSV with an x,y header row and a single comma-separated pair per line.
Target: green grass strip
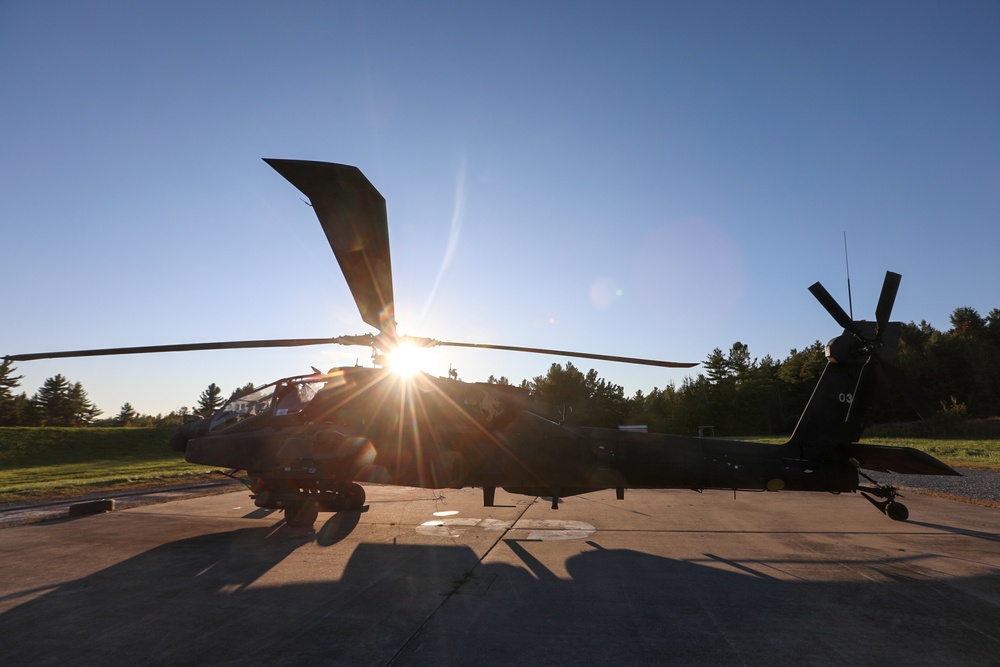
x,y
954,452
56,462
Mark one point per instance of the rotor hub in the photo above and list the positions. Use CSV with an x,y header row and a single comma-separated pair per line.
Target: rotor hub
x,y
847,349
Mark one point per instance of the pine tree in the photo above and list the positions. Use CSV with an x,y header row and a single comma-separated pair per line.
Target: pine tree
x,y
61,403
209,401
82,411
8,381
9,413
126,415
562,393
51,402
242,391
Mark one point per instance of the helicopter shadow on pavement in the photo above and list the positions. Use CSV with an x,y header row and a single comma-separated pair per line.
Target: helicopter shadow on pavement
x,y
237,595
336,528
339,526
992,537
621,606
266,595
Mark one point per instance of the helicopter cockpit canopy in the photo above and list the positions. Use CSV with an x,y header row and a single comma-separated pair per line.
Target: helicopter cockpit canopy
x,y
297,395
255,403
287,397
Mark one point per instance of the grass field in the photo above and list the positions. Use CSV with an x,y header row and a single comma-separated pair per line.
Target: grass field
x,y
56,462
972,443
980,453
59,462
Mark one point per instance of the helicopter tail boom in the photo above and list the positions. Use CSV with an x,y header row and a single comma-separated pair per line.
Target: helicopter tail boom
x,y
833,421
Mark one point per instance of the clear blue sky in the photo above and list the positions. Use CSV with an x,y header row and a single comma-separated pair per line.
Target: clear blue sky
x,y
646,179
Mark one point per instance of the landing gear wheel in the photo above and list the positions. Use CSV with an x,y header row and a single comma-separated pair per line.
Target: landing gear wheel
x,y
302,515
889,506
897,511
355,497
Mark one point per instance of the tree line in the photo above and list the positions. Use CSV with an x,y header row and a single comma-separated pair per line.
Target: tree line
x,y
958,370
60,402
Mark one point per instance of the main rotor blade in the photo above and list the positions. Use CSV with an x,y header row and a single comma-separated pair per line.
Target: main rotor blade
x,y
887,298
832,307
352,214
564,353
185,347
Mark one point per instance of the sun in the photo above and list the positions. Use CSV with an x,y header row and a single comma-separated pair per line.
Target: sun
x,y
405,360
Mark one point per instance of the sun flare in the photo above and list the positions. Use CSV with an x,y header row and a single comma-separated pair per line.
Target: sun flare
x,y
405,360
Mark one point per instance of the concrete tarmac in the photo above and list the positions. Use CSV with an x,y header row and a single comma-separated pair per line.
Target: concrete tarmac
x,y
432,577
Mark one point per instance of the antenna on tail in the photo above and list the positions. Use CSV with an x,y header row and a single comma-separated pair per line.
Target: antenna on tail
x,y
850,303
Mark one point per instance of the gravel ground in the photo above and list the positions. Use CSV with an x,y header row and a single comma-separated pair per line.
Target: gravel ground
x,y
975,484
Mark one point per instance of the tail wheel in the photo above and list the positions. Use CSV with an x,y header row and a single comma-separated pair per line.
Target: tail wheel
x,y
889,506
897,511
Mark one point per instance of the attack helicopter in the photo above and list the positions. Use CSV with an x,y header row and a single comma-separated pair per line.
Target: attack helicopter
x,y
307,443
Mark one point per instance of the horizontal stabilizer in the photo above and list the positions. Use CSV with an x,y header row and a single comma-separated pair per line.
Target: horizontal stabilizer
x,y
902,460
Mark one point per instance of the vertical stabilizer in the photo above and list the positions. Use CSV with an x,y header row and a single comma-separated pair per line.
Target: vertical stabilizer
x,y
823,424
835,414
836,410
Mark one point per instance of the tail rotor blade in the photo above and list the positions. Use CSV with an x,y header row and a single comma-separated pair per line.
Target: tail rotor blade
x,y
887,298
832,307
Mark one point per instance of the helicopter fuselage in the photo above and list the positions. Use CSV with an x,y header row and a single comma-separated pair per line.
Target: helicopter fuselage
x,y
370,425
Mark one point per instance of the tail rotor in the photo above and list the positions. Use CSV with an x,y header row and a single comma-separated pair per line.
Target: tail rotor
x,y
868,344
